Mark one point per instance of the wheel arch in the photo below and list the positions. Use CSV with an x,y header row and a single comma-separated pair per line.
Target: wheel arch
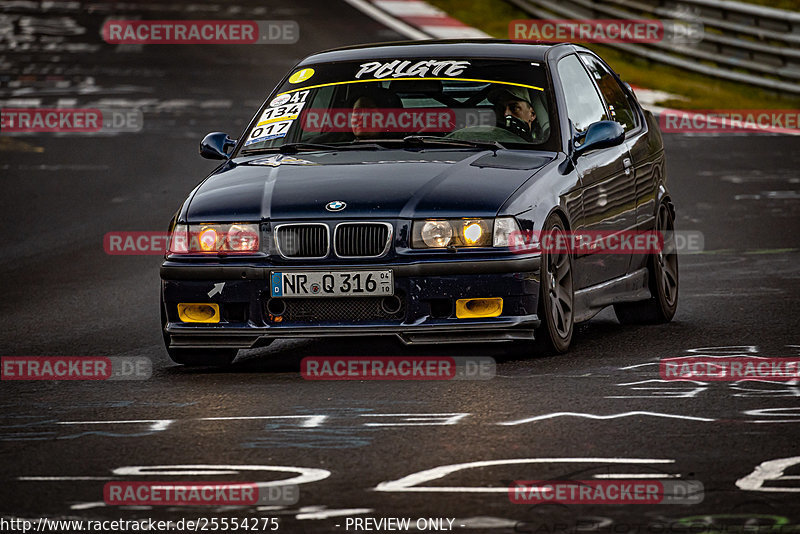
x,y
561,214
663,197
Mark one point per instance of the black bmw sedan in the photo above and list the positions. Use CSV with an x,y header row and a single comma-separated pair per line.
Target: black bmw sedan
x,y
435,191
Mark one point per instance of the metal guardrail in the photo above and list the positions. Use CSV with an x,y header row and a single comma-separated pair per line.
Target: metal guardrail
x,y
741,42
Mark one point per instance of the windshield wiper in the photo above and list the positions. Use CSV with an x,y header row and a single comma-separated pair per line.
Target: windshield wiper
x,y
294,148
419,140
289,148
374,144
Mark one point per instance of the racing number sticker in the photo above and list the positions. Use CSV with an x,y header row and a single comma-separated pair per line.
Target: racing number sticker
x,y
288,112
270,131
276,120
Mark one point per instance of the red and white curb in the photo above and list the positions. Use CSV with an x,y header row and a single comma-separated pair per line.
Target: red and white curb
x,y
649,98
417,20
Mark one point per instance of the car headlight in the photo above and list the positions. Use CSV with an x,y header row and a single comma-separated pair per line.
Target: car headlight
x,y
243,237
475,233
442,233
235,238
436,234
208,239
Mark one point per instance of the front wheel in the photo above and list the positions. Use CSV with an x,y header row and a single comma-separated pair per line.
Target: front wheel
x,y
662,274
556,296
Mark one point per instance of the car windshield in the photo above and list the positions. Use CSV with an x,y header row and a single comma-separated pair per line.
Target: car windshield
x,y
494,101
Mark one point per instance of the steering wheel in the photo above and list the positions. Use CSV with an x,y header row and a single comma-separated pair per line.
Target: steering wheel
x,y
516,126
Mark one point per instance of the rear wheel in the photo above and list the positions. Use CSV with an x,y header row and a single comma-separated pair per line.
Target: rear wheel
x,y
556,297
662,271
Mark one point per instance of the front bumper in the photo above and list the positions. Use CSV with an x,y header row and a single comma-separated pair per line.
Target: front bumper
x,y
428,291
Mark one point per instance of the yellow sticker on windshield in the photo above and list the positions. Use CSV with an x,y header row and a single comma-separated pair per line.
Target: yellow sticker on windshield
x,y
301,75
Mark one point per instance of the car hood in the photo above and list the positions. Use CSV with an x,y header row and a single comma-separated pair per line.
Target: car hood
x,y
373,184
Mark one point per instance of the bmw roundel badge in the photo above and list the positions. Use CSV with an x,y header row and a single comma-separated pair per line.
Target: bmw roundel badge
x,y
335,205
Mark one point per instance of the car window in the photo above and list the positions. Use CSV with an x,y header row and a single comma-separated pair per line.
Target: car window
x,y
584,105
619,106
506,101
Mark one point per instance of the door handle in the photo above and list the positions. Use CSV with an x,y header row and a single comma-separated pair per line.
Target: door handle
x,y
628,165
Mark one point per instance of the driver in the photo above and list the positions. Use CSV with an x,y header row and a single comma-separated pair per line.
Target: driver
x,y
376,100
514,110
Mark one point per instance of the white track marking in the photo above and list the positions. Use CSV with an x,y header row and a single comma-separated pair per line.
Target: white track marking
x,y
661,381
320,512
636,366
775,412
602,417
311,420
306,474
418,419
87,505
47,479
728,350
644,476
769,470
411,482
157,425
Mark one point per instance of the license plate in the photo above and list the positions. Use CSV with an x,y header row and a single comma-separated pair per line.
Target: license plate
x,y
331,284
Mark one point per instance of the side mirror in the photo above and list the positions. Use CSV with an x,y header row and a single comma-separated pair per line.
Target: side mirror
x,y
215,145
601,134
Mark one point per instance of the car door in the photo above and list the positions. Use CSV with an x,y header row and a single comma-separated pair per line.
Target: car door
x,y
624,110
607,191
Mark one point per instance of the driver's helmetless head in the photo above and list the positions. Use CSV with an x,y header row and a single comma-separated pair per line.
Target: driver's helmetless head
x,y
364,104
373,100
514,101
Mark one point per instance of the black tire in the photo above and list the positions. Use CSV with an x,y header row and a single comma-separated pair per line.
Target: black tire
x,y
662,276
195,357
556,297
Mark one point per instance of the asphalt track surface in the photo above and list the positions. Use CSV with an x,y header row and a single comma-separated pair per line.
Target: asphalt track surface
x,y
63,295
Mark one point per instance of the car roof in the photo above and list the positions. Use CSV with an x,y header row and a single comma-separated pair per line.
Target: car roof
x,y
477,48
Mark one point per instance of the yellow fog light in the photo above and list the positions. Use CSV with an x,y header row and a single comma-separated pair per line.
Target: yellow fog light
x,y
198,313
468,308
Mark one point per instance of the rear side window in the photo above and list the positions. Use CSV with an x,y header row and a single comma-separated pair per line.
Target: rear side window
x,y
584,105
619,106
